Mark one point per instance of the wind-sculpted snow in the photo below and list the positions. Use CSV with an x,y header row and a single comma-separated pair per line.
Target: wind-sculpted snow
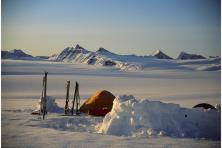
x,y
131,117
70,123
51,105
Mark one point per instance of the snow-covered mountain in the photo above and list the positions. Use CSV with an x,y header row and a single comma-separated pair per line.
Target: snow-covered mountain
x,y
104,57
18,54
184,56
160,55
101,57
15,54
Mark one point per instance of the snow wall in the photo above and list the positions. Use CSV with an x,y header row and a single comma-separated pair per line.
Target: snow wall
x,y
130,117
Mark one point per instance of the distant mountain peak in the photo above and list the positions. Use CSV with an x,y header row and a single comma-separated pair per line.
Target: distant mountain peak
x,y
15,54
160,55
102,50
78,47
16,51
157,52
184,56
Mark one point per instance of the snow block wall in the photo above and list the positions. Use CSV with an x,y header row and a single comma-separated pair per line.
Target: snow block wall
x,y
130,117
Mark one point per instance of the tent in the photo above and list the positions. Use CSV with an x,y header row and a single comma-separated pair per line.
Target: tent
x,y
204,105
98,104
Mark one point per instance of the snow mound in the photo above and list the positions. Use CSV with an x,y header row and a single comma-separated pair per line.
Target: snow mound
x,y
130,117
51,105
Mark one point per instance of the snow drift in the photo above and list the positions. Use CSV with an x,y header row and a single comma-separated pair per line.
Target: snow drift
x,y
51,105
130,117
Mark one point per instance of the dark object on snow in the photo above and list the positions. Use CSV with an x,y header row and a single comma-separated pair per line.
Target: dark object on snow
x,y
67,98
76,99
205,106
35,113
42,109
44,96
109,63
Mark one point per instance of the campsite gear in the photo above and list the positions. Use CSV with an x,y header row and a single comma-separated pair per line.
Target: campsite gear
x,y
43,97
205,106
99,111
67,98
76,99
98,104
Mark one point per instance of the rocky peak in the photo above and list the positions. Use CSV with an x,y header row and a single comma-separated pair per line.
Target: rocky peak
x,y
78,47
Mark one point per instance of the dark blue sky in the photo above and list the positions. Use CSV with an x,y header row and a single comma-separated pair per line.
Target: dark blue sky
x,y
122,26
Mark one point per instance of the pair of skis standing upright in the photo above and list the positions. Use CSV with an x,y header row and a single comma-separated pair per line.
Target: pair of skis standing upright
x,y
76,100
43,97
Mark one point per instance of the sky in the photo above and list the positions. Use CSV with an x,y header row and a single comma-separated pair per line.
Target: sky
x,y
45,27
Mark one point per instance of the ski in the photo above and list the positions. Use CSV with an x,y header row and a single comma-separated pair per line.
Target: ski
x,y
67,98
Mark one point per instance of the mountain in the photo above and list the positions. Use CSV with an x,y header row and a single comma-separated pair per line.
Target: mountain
x,y
104,51
15,54
82,55
104,57
186,56
160,55
70,53
18,54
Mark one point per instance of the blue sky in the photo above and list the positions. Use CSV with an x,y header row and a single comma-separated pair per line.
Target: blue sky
x,y
44,27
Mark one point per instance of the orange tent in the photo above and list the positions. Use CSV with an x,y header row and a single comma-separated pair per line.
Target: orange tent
x,y
98,104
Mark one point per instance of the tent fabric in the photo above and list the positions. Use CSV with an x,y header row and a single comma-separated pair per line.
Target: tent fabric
x,y
98,104
204,105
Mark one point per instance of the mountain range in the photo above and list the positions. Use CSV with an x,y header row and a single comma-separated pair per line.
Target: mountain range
x,y
104,57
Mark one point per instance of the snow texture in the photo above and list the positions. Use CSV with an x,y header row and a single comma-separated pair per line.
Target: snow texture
x,y
51,105
130,117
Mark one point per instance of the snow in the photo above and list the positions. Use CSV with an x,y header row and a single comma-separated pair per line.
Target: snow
x,y
51,105
103,57
18,54
184,56
21,88
130,117
160,55
130,63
